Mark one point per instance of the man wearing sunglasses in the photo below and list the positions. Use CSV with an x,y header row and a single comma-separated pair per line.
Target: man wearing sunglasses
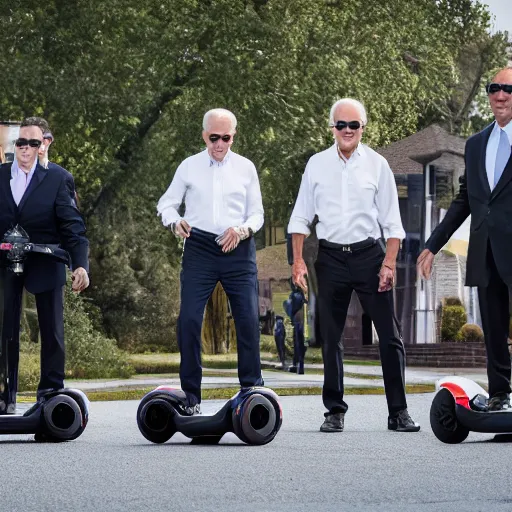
x,y
223,208
486,194
352,191
41,201
47,138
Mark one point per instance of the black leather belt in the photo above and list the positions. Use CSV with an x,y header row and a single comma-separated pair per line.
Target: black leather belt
x,y
357,246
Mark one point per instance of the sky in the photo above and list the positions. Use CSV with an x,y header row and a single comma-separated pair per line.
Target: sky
x,y
502,10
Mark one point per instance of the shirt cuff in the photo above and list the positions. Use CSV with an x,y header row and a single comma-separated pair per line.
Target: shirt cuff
x,y
169,219
296,226
393,233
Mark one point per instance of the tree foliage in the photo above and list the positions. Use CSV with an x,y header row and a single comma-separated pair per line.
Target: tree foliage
x,y
125,83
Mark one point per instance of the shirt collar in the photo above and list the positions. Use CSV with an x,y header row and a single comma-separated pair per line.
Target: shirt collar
x,y
16,168
358,151
215,163
507,129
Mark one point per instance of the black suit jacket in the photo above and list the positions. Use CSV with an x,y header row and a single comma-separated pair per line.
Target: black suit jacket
x,y
48,213
491,215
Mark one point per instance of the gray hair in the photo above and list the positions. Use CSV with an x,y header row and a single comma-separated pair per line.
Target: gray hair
x,y
219,112
353,103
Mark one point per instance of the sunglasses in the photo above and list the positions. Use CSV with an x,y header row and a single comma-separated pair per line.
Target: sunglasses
x,y
214,137
353,125
33,143
494,88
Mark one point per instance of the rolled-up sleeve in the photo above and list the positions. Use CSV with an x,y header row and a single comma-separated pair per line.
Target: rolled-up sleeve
x,y
254,203
303,211
169,203
387,204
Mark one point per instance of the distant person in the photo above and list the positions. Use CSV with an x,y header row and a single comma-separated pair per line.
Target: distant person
x,y
352,190
223,209
280,339
486,194
294,307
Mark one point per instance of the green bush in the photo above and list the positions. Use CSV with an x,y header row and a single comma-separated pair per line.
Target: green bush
x,y
89,354
471,333
452,320
29,369
135,285
452,301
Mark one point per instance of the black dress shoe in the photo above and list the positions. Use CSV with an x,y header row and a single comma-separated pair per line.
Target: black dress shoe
x,y
499,402
402,422
333,422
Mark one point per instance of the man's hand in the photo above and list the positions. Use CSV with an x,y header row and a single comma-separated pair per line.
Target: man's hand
x,y
299,273
181,228
424,263
229,240
386,277
80,280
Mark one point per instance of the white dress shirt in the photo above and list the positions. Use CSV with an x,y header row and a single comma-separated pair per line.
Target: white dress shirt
x,y
217,195
353,198
492,149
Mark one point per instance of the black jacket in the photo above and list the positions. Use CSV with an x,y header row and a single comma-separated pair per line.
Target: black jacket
x,y
48,213
491,215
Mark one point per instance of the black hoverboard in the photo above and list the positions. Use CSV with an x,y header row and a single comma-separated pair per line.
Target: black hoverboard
x,y
58,415
254,415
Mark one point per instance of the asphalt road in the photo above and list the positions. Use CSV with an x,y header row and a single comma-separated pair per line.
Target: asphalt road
x,y
111,467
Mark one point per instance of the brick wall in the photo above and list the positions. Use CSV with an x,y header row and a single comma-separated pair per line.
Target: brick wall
x,y
433,355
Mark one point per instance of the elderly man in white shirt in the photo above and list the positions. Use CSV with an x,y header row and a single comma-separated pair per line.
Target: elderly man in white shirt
x,y
223,209
352,190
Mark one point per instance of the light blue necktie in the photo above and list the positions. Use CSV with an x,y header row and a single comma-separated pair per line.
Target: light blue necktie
x,y
502,156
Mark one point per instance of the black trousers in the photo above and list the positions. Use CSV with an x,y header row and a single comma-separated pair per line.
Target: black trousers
x,y
203,266
50,315
338,274
495,306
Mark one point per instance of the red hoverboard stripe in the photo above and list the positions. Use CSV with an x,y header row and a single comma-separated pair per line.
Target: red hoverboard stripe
x,y
458,393
167,388
5,246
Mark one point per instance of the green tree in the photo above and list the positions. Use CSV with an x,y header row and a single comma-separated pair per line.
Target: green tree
x,y
124,84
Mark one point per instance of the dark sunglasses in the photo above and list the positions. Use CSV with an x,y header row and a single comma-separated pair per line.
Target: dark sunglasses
x,y
33,143
214,137
494,88
353,125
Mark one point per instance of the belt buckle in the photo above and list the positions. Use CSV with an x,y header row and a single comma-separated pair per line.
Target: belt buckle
x,y
346,248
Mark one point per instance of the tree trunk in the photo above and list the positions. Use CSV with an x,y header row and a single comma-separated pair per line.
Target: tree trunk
x,y
218,334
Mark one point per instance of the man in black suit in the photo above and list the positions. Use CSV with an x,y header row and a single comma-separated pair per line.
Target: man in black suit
x,y
42,202
486,194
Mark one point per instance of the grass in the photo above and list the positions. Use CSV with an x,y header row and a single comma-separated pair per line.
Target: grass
x,y
361,376
226,393
170,363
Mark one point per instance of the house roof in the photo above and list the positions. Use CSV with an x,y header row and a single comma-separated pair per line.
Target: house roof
x,y
408,155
